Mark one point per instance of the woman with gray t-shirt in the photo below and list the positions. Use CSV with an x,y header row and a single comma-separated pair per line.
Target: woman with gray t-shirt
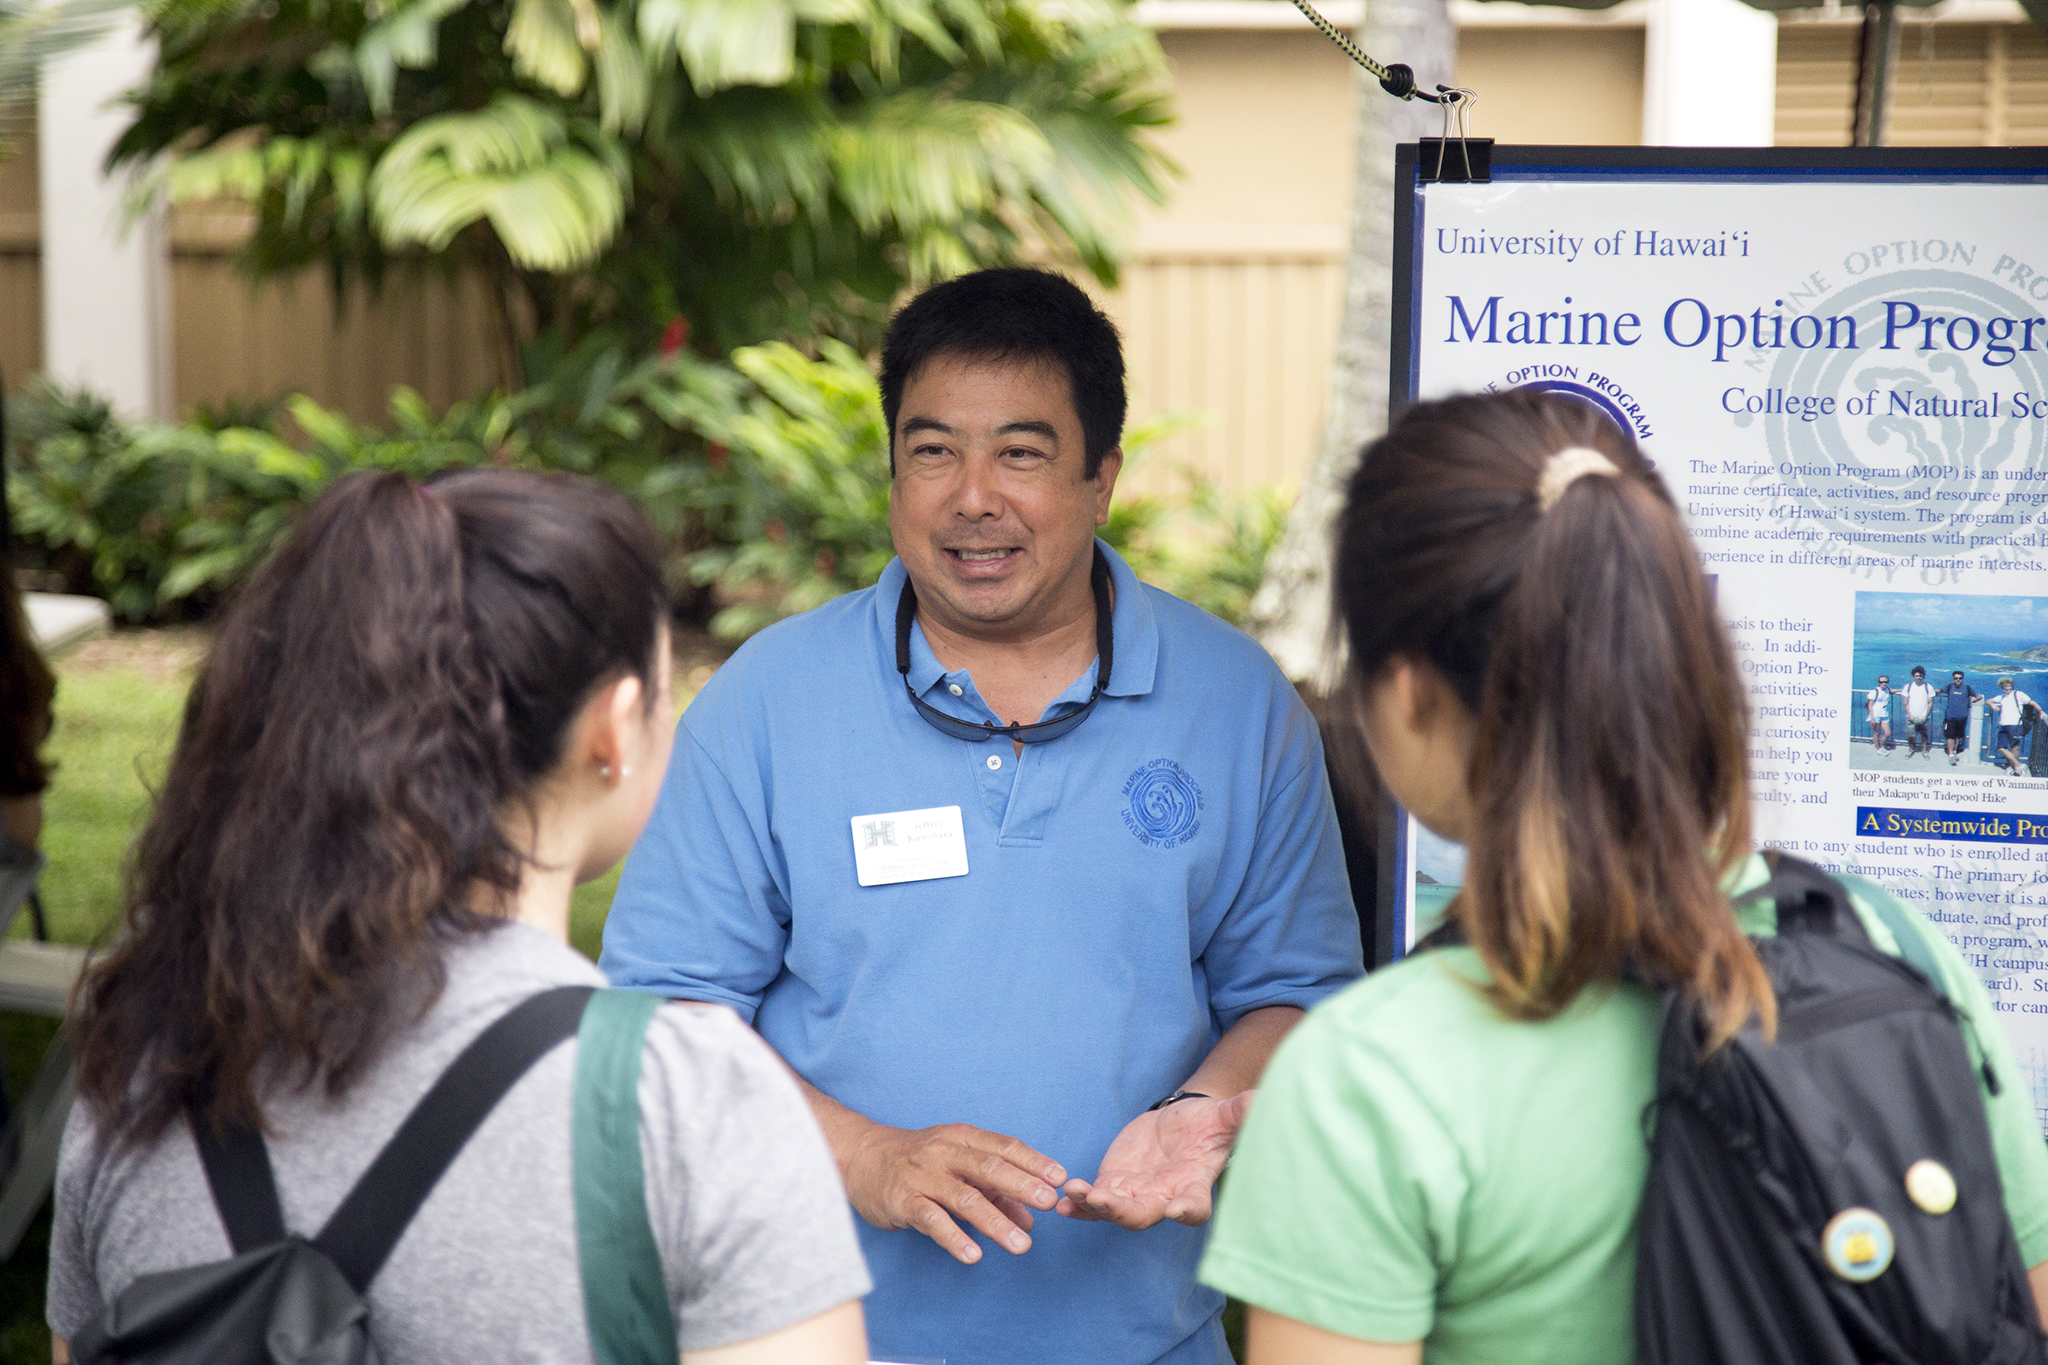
x,y
431,715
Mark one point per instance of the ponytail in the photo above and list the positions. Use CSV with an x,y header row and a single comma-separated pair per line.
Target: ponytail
x,y
394,678
1609,780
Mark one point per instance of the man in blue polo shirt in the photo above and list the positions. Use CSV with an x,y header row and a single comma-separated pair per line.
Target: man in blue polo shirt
x,y
1024,867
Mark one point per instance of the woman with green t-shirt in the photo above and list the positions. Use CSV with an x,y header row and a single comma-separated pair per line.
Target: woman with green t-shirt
x,y
1445,1161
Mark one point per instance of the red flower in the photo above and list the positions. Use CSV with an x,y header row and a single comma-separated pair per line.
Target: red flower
x,y
777,532
675,336
714,455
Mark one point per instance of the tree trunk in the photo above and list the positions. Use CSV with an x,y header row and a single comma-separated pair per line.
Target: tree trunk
x,y
1290,614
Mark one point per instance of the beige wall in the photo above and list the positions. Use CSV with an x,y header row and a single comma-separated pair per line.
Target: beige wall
x,y
231,339
1229,310
234,340
1520,73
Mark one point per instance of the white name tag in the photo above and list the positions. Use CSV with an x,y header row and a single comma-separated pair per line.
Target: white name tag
x,y
909,846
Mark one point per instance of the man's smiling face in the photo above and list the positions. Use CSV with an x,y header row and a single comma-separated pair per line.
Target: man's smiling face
x,y
989,509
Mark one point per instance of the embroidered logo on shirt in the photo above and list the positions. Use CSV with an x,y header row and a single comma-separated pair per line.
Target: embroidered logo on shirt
x,y
880,833
1163,804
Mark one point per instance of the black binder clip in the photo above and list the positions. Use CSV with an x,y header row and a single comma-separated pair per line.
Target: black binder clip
x,y
1456,158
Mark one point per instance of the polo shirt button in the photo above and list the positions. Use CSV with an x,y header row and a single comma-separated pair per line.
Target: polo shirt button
x,y
995,762
954,688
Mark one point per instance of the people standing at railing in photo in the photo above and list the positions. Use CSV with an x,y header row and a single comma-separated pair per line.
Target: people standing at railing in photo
x,y
2010,706
1877,705
1956,700
1919,695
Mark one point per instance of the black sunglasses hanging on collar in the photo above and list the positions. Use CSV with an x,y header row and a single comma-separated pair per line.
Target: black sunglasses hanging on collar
x,y
1038,732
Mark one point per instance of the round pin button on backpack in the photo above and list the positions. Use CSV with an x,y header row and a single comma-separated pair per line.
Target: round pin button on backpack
x,y
1930,1186
1857,1245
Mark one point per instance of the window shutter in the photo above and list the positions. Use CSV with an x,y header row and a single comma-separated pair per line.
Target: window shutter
x,y
1955,85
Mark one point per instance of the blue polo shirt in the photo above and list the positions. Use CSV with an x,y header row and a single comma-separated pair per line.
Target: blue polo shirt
x,y
1133,888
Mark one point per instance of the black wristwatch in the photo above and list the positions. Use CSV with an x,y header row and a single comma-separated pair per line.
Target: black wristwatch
x,y
1177,1096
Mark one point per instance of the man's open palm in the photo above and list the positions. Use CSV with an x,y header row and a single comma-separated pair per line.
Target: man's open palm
x,y
1163,1164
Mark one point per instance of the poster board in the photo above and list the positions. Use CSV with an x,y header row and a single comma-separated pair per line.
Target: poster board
x,y
1838,360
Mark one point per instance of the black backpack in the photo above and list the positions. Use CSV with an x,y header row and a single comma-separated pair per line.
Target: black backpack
x,y
283,1300
1780,1222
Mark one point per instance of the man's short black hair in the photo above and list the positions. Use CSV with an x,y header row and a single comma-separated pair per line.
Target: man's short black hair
x,y
1014,314
1919,672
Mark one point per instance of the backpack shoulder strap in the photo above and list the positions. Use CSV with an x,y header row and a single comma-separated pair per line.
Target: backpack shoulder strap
x,y
625,1294
373,1217
1893,915
1807,898
243,1184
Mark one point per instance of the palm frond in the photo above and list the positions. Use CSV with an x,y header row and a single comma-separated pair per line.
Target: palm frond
x,y
554,204
624,83
724,42
406,37
545,46
31,34
918,159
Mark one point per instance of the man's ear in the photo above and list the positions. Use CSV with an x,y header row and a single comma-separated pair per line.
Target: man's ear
x,y
1105,482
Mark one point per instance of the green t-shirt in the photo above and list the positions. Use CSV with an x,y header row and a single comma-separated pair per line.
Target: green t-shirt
x,y
1420,1167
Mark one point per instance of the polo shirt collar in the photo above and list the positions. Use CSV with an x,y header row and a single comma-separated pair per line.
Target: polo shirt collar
x,y
1134,626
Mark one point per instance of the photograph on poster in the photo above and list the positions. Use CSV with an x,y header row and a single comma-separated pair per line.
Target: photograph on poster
x,y
1439,873
1908,708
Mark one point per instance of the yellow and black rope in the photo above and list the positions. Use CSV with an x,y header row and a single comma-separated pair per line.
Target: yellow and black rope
x,y
1397,80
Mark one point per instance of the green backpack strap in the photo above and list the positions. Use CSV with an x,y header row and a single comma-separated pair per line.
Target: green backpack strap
x,y
625,1295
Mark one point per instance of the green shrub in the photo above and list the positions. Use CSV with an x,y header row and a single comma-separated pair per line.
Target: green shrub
x,y
157,517
768,477
151,514
792,494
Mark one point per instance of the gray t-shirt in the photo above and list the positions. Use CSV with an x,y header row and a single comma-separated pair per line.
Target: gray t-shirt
x,y
754,1230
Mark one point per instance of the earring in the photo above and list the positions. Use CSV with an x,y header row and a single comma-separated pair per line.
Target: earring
x,y
604,772
625,770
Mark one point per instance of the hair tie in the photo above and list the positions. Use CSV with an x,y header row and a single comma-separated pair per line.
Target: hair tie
x,y
1567,467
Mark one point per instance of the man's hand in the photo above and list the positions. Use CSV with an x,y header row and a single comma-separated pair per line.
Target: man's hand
x,y
1163,1164
923,1179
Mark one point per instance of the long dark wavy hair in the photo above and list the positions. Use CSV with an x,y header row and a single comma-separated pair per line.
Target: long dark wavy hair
x,y
1609,776
390,684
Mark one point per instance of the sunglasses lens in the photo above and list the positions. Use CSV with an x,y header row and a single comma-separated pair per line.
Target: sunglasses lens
x,y
980,732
